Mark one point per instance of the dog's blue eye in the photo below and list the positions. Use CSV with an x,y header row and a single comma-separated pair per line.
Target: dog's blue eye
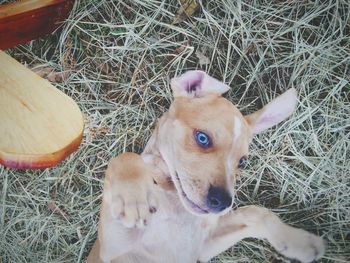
x,y
242,162
202,139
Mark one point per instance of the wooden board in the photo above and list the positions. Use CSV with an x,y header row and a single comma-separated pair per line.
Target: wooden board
x,y
25,20
39,125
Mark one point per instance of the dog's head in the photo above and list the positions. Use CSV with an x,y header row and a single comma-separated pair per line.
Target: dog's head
x,y
204,139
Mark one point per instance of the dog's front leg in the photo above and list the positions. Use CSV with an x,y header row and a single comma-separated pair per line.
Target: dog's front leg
x,y
129,199
257,222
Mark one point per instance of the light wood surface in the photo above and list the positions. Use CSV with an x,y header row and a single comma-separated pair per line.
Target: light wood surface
x,y
39,125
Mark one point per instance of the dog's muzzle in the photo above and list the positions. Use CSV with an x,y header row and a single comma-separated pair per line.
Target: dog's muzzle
x,y
218,199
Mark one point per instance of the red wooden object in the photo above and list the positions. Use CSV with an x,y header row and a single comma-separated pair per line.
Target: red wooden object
x,y
26,20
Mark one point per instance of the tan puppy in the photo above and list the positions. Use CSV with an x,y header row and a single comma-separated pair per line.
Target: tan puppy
x,y
198,145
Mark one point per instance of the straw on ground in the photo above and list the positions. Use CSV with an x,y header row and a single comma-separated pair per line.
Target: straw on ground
x,y
120,56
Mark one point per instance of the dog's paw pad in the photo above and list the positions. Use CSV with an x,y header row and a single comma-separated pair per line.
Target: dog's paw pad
x,y
152,209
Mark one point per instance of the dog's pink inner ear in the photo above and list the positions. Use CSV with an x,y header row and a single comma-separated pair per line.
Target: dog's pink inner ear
x,y
191,81
274,112
196,83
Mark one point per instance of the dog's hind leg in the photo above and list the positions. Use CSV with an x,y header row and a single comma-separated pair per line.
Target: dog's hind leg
x,y
257,222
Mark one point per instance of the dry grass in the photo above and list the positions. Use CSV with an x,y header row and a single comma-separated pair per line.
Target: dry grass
x,y
121,54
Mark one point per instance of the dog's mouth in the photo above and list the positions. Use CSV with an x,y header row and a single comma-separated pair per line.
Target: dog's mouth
x,y
193,206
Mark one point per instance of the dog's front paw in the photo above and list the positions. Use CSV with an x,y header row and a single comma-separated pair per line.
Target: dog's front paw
x,y
134,205
299,244
129,195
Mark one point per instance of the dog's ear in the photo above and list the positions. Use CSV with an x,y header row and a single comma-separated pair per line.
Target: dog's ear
x,y
274,112
196,83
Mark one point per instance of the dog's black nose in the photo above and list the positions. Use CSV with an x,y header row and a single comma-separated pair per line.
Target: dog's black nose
x,y
218,199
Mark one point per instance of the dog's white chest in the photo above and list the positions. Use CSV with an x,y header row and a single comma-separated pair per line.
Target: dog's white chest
x,y
173,234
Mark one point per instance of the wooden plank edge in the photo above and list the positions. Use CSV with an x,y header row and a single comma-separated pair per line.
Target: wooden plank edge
x,y
40,161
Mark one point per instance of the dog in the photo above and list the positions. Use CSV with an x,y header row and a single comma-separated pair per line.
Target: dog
x,y
175,203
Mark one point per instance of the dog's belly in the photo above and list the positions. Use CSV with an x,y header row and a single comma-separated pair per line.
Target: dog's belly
x,y
173,235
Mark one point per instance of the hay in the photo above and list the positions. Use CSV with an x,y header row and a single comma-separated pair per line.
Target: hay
x,y
121,54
